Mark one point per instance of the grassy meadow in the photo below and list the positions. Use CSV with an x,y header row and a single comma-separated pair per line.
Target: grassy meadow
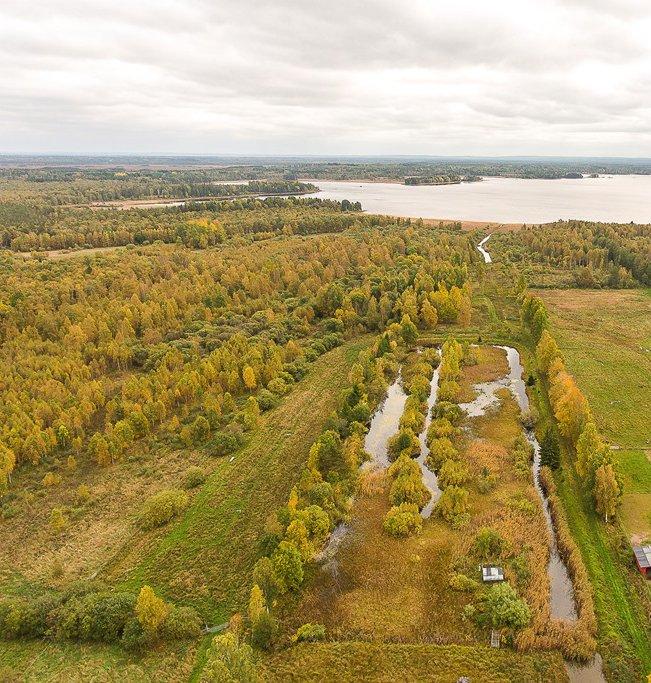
x,y
603,335
606,339
388,662
206,558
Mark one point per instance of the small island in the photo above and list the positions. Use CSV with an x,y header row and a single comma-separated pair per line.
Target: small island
x,y
451,179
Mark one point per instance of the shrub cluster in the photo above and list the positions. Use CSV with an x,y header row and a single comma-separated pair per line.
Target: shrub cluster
x,y
407,487
91,612
162,507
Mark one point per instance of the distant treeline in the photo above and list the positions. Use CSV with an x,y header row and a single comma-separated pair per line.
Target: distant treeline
x,y
441,179
195,170
26,228
62,186
600,254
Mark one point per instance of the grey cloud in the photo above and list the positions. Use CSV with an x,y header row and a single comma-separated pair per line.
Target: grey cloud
x,y
338,77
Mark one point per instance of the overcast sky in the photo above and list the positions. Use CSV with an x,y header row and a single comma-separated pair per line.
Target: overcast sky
x,y
441,77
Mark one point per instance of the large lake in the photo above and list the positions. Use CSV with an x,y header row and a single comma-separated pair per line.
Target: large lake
x,y
505,200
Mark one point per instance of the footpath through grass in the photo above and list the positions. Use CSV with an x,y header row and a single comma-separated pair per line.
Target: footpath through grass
x,y
206,558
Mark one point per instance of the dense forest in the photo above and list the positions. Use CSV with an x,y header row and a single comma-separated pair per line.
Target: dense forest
x,y
597,254
24,227
97,352
54,188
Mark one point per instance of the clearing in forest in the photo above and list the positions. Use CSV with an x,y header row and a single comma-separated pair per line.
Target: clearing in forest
x,y
382,589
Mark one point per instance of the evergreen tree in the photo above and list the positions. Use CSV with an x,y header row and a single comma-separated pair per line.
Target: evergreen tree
x,y
550,454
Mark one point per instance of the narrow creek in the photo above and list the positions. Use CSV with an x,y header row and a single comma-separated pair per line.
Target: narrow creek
x,y
429,478
384,424
482,251
562,602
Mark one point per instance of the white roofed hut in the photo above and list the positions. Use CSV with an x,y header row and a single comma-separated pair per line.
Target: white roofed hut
x,y
490,573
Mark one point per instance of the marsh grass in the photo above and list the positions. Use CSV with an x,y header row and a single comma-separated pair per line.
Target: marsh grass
x,y
389,662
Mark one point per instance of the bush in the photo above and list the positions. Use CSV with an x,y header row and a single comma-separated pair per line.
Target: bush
x,y
461,582
133,636
26,618
51,479
441,428
100,617
487,482
448,411
309,633
501,607
182,623
278,386
162,507
82,494
449,391
404,465
267,400
223,443
452,473
229,660
441,450
58,520
288,566
489,545
404,441
522,454
403,520
453,503
263,631
408,488
264,575
194,476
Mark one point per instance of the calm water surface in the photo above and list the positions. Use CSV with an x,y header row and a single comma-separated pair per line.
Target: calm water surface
x,y
505,200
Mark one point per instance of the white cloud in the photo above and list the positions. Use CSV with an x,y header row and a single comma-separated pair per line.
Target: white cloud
x,y
337,77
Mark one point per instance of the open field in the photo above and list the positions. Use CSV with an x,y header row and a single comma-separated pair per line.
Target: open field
x,y
606,339
388,662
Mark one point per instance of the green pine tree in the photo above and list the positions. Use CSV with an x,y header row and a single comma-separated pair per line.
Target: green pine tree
x,y
550,453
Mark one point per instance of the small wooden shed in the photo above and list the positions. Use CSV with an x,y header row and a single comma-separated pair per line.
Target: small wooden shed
x,y
643,559
491,573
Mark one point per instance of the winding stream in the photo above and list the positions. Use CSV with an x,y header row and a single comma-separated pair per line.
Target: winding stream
x,y
562,602
483,252
385,423
429,478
